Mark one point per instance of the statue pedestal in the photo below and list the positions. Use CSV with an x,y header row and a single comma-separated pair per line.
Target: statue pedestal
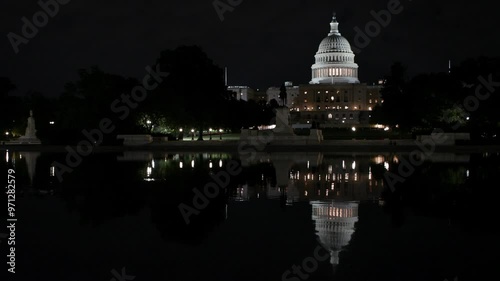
x,y
283,122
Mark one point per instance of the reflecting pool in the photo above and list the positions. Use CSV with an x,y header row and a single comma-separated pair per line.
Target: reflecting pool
x,y
281,216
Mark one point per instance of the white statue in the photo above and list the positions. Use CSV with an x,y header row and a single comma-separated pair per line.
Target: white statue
x,y
30,133
30,130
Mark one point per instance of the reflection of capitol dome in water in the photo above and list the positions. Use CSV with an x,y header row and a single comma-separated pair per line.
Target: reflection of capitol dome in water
x,y
334,224
334,59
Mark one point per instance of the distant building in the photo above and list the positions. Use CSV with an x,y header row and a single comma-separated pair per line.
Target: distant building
x,y
291,91
246,93
242,92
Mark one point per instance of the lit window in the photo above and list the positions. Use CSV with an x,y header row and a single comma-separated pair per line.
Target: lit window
x,y
370,101
330,116
332,98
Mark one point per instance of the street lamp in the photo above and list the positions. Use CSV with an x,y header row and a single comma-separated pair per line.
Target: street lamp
x,y
210,133
220,135
192,134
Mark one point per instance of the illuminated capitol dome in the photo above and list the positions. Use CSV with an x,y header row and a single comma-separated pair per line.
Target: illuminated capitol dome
x,y
334,59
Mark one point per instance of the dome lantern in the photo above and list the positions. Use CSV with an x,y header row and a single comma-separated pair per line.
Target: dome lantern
x,y
334,26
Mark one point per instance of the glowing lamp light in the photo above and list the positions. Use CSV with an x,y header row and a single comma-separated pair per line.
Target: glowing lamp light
x,y
51,122
6,133
354,129
181,130
148,122
386,129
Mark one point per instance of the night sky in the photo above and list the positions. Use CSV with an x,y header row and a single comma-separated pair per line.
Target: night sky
x,y
262,42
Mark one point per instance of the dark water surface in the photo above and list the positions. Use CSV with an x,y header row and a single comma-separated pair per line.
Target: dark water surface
x,y
282,216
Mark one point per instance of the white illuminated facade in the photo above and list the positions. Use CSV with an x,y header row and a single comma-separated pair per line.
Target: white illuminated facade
x,y
334,225
334,59
242,92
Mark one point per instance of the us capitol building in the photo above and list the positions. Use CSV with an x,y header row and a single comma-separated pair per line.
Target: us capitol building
x,y
334,97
